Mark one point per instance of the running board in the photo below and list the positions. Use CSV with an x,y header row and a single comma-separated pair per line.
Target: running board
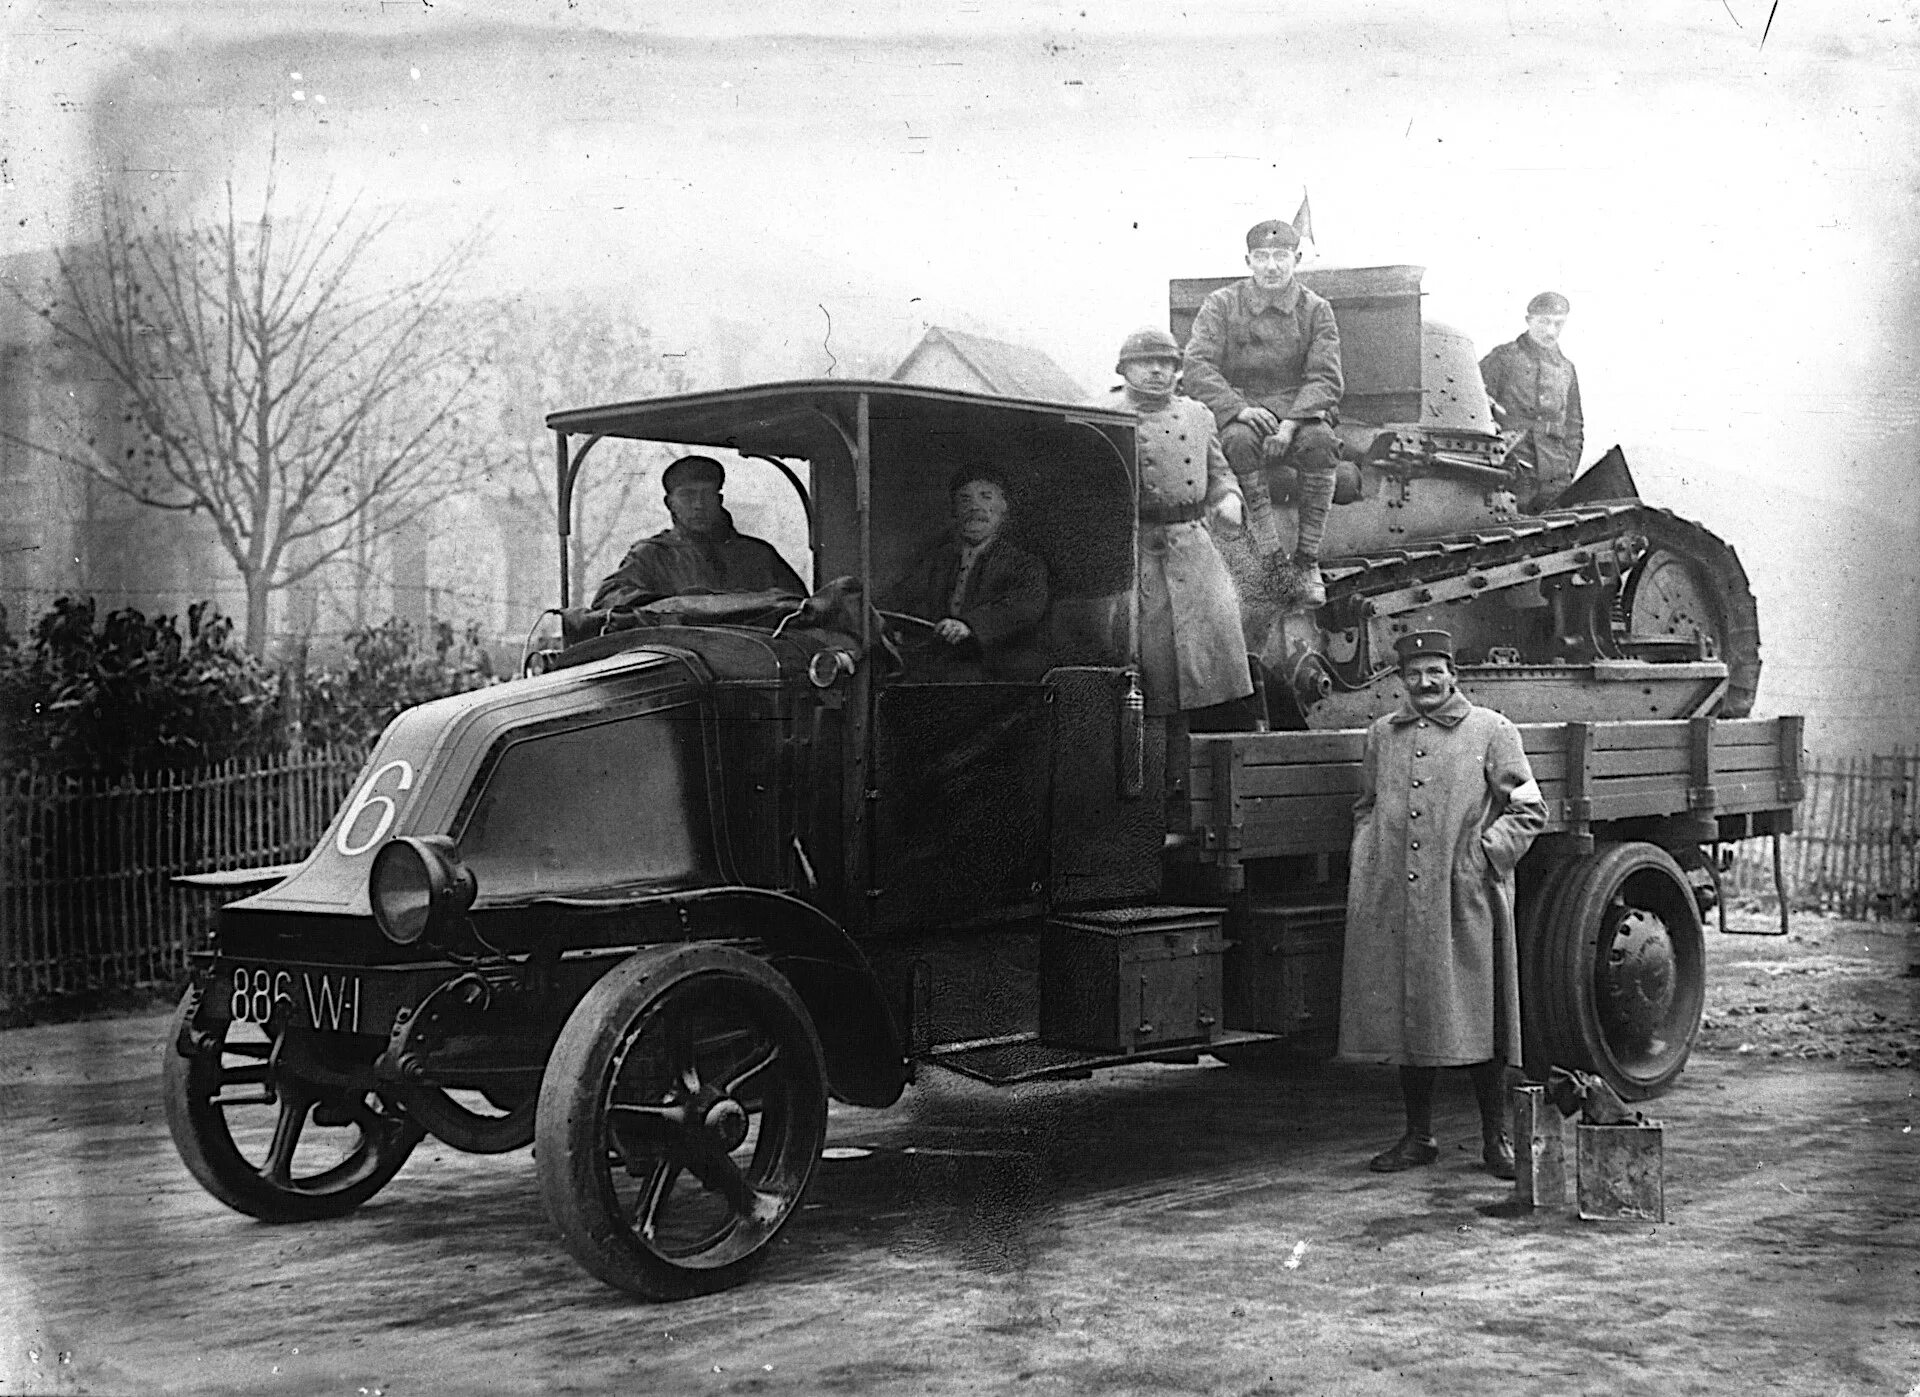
x,y
1022,1057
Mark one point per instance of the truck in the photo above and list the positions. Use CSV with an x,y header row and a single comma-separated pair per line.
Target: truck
x,y
714,860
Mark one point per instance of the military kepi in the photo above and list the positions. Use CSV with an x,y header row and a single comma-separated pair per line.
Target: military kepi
x,y
1411,647
1272,232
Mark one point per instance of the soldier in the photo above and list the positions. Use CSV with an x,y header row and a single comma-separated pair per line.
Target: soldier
x,y
1532,387
701,552
1448,805
1192,654
1264,355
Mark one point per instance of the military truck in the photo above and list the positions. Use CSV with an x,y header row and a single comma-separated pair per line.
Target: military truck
x,y
715,860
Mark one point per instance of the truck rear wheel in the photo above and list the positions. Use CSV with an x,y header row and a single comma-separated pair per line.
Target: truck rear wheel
x,y
1622,963
681,1116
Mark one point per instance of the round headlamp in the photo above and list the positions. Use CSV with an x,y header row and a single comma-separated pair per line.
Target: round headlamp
x,y
418,886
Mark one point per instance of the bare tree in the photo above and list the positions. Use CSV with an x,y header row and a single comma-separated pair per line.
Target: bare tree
x,y
267,382
573,353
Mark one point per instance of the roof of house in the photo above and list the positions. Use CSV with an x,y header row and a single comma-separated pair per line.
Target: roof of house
x,y
1014,370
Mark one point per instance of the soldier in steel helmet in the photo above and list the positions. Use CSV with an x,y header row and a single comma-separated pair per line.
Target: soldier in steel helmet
x,y
1264,356
702,552
1533,389
1448,805
1193,658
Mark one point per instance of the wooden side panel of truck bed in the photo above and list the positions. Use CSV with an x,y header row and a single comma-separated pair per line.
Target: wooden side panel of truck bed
x,y
1264,795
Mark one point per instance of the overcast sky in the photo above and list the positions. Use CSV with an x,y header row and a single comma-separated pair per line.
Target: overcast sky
x,y
1733,219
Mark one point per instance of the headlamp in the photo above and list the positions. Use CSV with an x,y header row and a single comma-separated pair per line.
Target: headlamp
x,y
418,886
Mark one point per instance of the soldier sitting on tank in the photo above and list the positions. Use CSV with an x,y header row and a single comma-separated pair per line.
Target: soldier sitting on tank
x,y
1264,356
1533,389
982,596
701,553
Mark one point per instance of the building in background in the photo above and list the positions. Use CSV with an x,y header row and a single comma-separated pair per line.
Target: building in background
x,y
955,359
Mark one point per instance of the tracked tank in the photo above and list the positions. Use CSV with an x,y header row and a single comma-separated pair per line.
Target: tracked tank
x,y
1588,605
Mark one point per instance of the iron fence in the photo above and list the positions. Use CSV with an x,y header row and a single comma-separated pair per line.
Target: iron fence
x,y
87,901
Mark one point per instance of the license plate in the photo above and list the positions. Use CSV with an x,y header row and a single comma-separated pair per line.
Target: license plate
x,y
329,1000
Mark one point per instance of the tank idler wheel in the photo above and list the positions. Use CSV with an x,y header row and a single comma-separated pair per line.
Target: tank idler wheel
x,y
680,1119
1623,968
267,1141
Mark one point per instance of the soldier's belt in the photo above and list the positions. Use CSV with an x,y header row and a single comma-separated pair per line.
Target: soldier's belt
x,y
1173,513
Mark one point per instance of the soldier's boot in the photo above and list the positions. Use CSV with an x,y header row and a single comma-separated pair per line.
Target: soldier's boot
x,y
1315,500
1490,1084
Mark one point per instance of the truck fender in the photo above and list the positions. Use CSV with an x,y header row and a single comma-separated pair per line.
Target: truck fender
x,y
827,969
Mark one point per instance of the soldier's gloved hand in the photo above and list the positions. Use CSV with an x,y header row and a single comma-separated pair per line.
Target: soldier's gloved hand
x,y
1261,419
953,632
1275,446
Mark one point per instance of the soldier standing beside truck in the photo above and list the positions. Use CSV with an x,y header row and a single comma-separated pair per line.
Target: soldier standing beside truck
x,y
1448,806
1264,355
1192,655
1532,388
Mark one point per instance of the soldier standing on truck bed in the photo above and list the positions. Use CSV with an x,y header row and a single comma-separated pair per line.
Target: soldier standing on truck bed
x,y
1532,387
1264,355
1448,805
1193,656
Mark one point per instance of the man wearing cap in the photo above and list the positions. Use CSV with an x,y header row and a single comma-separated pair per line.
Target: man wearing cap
x,y
989,594
1264,356
701,553
1192,654
1532,388
1448,805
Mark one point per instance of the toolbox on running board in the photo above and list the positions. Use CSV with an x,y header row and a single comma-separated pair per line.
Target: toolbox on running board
x,y
1131,977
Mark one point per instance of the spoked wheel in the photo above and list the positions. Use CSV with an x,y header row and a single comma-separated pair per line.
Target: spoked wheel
x,y
1623,965
680,1119
269,1141
479,1122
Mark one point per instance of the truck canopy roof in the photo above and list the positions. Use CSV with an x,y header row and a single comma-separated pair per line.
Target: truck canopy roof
x,y
807,417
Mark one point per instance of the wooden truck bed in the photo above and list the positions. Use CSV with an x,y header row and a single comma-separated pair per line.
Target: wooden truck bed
x,y
1258,795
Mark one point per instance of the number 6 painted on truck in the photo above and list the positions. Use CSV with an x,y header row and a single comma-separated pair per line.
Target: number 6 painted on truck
x,y
368,796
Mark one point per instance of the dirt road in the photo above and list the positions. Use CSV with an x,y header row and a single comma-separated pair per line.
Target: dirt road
x,y
1155,1230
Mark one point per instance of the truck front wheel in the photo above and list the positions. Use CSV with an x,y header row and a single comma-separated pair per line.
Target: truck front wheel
x,y
680,1118
1622,969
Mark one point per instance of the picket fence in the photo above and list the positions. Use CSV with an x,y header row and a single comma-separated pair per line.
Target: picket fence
x,y
1856,848
87,901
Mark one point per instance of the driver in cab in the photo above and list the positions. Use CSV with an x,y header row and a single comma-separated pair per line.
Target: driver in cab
x,y
988,593
701,553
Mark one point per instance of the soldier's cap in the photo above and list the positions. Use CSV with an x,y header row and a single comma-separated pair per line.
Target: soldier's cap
x,y
1412,647
693,470
1272,232
1549,303
966,475
1148,342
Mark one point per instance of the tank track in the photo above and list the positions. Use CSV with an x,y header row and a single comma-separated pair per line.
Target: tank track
x,y
1352,581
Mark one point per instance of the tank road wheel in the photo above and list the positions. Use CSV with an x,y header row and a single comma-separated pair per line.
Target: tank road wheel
x,y
681,1116
1690,586
267,1141
1623,969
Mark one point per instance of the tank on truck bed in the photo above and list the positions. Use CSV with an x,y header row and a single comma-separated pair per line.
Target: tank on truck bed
x,y
1590,604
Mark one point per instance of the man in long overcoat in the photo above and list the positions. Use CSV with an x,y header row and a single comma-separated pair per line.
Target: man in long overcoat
x,y
1532,387
1448,805
1193,655
1264,356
